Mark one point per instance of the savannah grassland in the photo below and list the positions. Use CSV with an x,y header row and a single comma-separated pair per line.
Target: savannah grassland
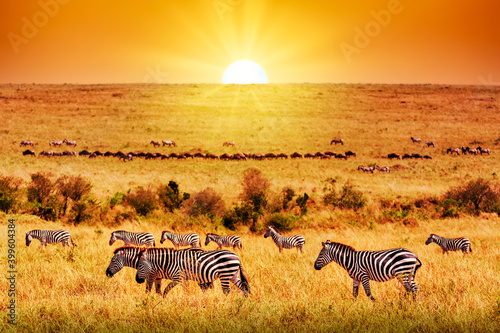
x,y
63,290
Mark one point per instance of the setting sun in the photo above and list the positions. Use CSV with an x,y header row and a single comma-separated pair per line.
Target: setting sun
x,y
244,72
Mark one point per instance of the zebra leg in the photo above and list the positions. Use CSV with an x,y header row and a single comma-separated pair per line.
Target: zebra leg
x,y
366,284
226,287
355,288
158,286
169,287
280,248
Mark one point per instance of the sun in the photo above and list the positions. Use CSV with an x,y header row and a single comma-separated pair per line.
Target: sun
x,y
244,72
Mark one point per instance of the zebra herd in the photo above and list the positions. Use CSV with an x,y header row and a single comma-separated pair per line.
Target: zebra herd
x,y
204,267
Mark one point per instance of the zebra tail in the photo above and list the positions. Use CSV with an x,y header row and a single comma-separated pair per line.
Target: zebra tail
x,y
418,266
244,279
73,243
470,249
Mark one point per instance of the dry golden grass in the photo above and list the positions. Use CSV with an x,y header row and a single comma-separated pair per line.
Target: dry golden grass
x,y
64,290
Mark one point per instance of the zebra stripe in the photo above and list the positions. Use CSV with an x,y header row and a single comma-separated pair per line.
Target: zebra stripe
x,y
451,244
285,242
363,266
132,238
49,237
177,240
227,241
192,264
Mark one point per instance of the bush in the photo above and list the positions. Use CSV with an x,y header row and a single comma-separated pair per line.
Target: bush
x,y
284,222
302,202
255,188
287,195
9,193
83,210
348,197
117,199
239,215
74,188
449,208
43,197
206,202
170,198
143,201
475,196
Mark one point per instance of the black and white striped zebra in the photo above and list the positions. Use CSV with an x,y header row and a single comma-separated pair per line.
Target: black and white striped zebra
x,y
363,266
132,238
49,237
192,264
227,241
177,240
450,244
128,256
285,242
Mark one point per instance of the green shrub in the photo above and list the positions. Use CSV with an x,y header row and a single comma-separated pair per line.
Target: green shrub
x,y
143,201
239,215
206,202
255,188
347,198
117,199
74,188
170,198
83,210
287,194
284,222
9,193
475,196
302,202
43,198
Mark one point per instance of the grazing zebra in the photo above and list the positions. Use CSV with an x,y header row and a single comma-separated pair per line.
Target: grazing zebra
x,y
132,238
416,140
49,237
169,143
232,240
285,242
192,264
129,257
55,143
363,266
450,244
181,239
228,143
365,169
337,141
382,169
430,144
155,143
454,150
26,143
69,143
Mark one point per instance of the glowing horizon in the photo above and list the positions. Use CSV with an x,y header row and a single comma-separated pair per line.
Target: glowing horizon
x,y
244,72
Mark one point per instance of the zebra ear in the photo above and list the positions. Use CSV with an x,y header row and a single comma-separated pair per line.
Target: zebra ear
x,y
323,244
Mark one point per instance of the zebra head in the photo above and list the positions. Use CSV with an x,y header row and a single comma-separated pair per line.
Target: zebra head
x,y
430,239
270,231
209,238
165,235
123,256
324,257
112,239
144,266
28,239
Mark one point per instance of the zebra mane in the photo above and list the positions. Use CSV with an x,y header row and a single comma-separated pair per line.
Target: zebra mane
x,y
126,248
211,234
277,230
347,247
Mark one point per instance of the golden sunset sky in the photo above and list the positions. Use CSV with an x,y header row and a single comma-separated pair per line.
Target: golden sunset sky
x,y
193,41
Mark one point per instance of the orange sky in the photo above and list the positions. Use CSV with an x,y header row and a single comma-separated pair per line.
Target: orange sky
x,y
193,41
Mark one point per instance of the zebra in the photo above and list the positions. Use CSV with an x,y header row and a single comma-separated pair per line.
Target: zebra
x,y
192,264
181,239
285,242
363,266
128,256
337,141
450,244
430,144
132,238
232,240
168,143
49,237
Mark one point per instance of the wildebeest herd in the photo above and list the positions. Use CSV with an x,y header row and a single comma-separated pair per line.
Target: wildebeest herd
x,y
204,267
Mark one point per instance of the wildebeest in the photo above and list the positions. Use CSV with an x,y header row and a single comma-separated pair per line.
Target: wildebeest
x,y
430,144
465,150
69,143
169,143
29,152
427,157
228,143
393,155
485,151
296,155
125,158
55,143
453,150
350,153
416,140
417,156
26,143
84,152
68,153
341,156
405,156
155,143
382,169
337,141
225,156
